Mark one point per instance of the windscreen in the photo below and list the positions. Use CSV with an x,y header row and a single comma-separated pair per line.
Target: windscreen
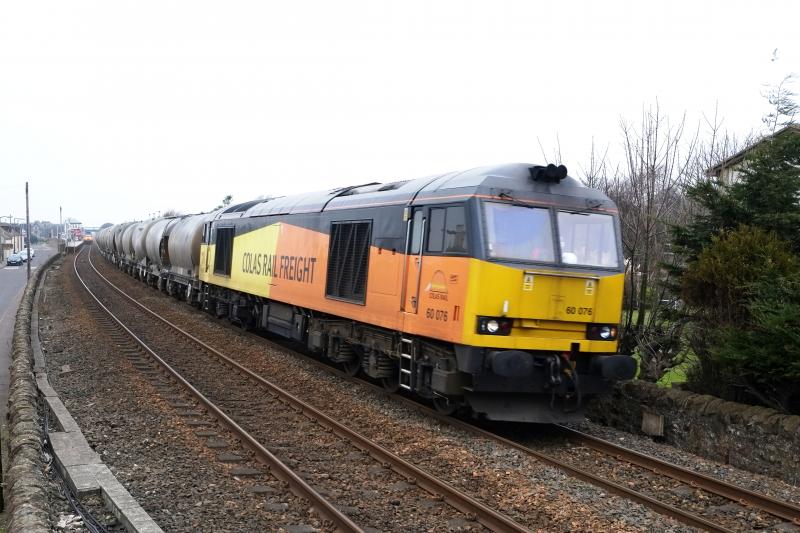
x,y
518,232
587,239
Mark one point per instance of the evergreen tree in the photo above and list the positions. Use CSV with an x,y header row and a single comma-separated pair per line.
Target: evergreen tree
x,y
765,196
740,278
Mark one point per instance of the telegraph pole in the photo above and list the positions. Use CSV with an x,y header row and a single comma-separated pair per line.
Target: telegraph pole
x,y
28,229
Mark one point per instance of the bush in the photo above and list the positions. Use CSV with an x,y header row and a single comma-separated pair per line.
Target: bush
x,y
717,283
764,357
744,293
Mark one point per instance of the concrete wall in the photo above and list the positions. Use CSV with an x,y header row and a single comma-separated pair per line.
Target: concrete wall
x,y
24,489
756,439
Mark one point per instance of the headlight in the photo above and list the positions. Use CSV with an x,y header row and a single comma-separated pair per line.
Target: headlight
x,y
601,332
488,325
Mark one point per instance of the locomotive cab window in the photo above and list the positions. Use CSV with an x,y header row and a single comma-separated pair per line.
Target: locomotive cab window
x,y
223,251
518,233
587,239
416,235
447,232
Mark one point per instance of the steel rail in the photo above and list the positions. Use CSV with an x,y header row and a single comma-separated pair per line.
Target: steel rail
x,y
297,485
783,510
740,495
486,516
682,516
666,509
745,497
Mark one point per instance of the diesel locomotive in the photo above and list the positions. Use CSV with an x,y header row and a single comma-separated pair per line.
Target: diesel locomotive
x,y
496,290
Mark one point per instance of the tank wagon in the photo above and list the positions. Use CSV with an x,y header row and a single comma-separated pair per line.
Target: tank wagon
x,y
116,238
496,289
126,246
101,237
156,249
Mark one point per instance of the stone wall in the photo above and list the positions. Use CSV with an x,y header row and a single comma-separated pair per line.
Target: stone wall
x,y
25,484
756,439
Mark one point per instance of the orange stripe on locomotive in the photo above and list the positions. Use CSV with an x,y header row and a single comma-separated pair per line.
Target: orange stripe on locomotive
x,y
289,264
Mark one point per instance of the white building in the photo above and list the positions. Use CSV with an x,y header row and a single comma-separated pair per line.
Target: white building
x,y
11,240
730,169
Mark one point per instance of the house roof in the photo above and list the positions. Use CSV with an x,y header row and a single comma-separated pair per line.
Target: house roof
x,y
739,156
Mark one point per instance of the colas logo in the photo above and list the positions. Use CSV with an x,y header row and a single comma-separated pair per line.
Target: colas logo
x,y
437,287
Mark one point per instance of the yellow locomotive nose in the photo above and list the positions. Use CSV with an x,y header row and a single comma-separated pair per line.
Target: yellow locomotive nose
x,y
556,296
543,309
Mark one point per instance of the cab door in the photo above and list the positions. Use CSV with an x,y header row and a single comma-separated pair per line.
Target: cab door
x,y
436,272
412,270
204,249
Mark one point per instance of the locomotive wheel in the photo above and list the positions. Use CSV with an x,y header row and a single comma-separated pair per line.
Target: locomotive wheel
x,y
392,384
352,368
445,405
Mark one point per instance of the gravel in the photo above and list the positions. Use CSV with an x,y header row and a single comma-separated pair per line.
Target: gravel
x,y
540,497
178,481
151,449
647,445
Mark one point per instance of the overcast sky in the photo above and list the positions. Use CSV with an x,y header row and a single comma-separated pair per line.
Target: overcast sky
x,y
115,110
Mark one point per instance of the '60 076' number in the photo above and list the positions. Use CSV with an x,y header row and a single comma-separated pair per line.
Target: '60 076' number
x,y
436,314
579,311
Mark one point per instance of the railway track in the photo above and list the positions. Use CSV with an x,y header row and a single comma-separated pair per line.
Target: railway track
x,y
626,457
742,496
748,499
279,417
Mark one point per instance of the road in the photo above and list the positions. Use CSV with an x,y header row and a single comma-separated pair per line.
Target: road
x,y
12,285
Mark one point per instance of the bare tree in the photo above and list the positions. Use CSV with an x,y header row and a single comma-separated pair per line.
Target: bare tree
x,y
784,107
661,159
648,190
596,173
657,165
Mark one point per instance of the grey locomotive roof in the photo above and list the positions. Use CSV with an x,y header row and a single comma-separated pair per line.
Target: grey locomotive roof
x,y
511,180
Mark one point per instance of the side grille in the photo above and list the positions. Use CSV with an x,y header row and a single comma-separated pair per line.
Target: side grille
x,y
348,261
223,256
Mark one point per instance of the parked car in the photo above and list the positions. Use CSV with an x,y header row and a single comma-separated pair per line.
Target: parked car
x,y
14,260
